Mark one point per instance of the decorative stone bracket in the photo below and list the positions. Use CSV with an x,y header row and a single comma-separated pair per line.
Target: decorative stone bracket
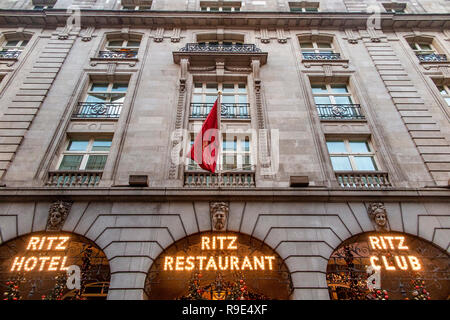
x,y
57,215
378,215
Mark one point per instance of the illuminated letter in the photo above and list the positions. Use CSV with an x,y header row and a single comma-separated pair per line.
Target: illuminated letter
x,y
375,242
26,267
246,263
214,243
383,243
50,242
43,260
205,243
270,258
400,245
415,264
63,264
234,263
201,259
33,242
17,263
60,245
386,264
221,241
42,243
372,262
221,267
389,239
403,266
179,264
190,263
259,263
231,245
211,263
168,263
53,266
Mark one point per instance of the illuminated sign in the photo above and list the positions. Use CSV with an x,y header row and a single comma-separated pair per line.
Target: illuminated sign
x,y
40,261
393,262
219,261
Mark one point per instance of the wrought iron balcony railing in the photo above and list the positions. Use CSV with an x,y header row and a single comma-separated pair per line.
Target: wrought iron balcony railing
x,y
118,54
9,54
432,57
97,110
244,179
61,179
339,111
232,48
363,179
228,110
321,56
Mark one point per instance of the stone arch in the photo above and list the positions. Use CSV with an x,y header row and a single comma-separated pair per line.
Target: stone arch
x,y
35,264
232,260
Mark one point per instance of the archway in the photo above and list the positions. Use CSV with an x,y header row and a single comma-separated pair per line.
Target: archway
x,y
388,265
218,266
34,267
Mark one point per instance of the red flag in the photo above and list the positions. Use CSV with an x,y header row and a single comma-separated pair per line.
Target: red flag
x,y
205,149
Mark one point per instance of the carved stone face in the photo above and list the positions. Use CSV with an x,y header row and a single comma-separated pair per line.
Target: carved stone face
x,y
55,218
219,220
377,212
380,219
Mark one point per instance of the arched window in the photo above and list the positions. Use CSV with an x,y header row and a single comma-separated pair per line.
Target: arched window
x,y
388,265
13,43
218,266
34,267
427,49
120,46
318,47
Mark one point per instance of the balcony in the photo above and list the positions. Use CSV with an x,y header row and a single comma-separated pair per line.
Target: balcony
x,y
97,110
327,56
229,110
340,112
242,179
9,54
118,54
363,179
235,55
432,57
67,179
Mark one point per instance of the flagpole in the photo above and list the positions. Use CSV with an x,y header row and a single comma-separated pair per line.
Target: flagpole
x,y
219,122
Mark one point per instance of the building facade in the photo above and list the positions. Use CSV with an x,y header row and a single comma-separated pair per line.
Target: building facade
x,y
335,140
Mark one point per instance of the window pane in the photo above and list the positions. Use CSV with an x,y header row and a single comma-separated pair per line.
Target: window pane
x,y
77,145
324,45
210,99
101,145
365,163
336,147
197,98
228,87
448,101
413,46
122,87
118,98
197,87
306,45
339,88
229,162
424,46
359,146
211,87
96,162
246,164
246,145
442,90
12,43
322,100
229,145
319,88
24,43
242,87
228,99
133,43
96,98
311,9
96,87
341,163
115,43
242,99
343,100
70,162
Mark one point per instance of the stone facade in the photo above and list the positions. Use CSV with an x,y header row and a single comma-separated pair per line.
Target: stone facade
x,y
406,120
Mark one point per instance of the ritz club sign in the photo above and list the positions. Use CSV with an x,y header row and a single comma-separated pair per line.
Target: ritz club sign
x,y
222,262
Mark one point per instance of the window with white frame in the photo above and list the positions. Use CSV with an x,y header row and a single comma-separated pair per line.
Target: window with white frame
x,y
14,45
332,94
445,92
220,6
120,44
113,92
351,155
304,6
85,154
422,48
395,7
316,47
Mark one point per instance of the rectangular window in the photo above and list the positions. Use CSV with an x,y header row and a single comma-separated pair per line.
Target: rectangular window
x,y
351,155
337,94
107,92
445,92
85,154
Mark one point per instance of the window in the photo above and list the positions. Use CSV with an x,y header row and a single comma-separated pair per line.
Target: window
x,y
351,155
445,92
331,94
14,45
304,6
395,7
85,154
114,45
42,7
107,92
136,8
316,47
422,48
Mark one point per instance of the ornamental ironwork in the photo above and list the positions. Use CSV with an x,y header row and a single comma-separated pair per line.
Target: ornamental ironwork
x,y
118,54
321,56
228,110
339,111
433,57
232,48
9,54
98,110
